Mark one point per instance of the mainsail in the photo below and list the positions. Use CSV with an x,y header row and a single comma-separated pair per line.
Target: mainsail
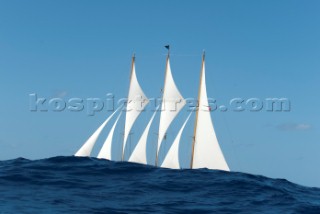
x,y
137,101
172,158
105,152
139,154
86,149
206,152
172,103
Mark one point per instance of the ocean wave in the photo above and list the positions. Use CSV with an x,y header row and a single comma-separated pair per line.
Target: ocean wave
x,y
90,185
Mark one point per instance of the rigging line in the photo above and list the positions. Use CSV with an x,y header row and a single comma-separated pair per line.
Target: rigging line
x,y
193,55
229,132
156,143
176,55
130,141
227,127
119,140
122,139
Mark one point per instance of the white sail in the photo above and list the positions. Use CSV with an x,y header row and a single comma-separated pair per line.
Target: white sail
x,y
86,148
172,158
206,149
137,101
172,103
139,154
105,152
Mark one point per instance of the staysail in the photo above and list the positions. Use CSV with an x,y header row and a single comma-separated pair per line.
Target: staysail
x,y
105,152
206,152
137,101
172,103
139,154
172,158
86,148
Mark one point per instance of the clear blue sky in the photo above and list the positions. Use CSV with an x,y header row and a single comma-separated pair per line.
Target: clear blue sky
x,y
83,48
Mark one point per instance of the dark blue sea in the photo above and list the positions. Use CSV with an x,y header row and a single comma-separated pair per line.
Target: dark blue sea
x,y
89,185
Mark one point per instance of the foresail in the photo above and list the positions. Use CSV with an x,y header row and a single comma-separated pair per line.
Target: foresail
x,y
206,151
105,152
139,154
85,150
137,101
172,158
172,103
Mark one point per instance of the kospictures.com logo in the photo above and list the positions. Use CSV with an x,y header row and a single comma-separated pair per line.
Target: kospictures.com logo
x,y
109,103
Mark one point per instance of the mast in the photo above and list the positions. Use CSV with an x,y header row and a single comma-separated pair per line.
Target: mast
x,y
197,111
132,64
164,88
136,103
206,151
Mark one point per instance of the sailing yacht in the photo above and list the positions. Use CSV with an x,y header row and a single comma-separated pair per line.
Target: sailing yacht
x,y
206,151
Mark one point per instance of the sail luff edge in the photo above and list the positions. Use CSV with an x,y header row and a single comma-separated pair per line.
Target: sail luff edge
x,y
197,112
